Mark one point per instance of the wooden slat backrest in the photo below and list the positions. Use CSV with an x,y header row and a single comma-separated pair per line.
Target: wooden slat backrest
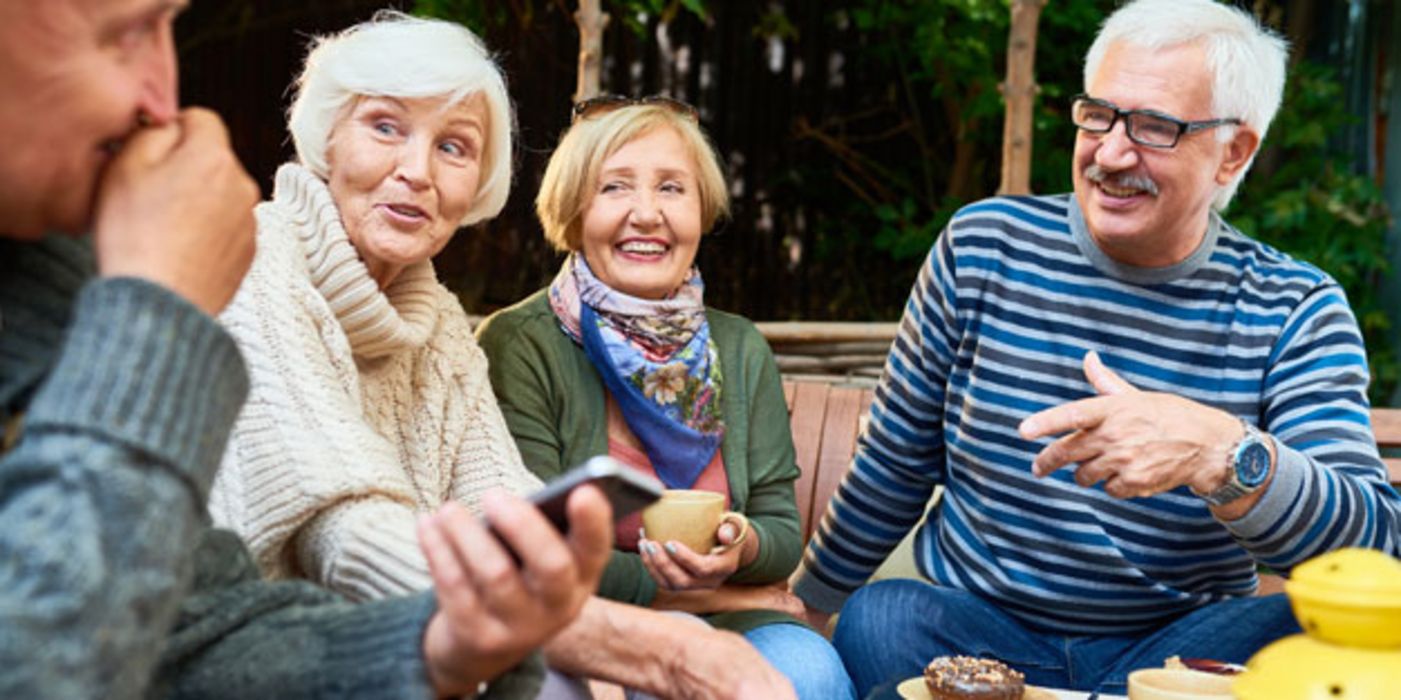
x,y
806,416
825,420
845,406
1386,424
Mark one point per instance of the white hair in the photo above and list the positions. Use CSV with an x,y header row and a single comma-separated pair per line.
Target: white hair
x,y
1246,60
396,55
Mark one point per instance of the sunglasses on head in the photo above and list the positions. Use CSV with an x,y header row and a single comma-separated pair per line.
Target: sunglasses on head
x,y
603,104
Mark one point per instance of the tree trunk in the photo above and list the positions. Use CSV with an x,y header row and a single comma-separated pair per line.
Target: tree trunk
x,y
963,185
1300,28
592,20
1019,91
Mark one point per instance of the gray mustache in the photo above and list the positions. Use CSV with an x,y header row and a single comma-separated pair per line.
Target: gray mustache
x,y
1097,175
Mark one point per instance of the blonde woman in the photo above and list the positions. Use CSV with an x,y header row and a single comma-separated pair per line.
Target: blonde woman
x,y
620,356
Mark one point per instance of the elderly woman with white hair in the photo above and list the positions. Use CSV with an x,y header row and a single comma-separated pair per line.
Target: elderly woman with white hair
x,y
370,403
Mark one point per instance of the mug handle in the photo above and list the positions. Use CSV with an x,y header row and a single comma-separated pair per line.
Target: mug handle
x,y
741,522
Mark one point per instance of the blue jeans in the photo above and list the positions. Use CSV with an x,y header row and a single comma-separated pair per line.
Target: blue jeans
x,y
806,658
888,631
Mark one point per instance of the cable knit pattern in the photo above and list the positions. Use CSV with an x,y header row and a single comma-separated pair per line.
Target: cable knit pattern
x,y
367,407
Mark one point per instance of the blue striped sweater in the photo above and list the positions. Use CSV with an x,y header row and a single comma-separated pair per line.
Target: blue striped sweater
x,y
1011,298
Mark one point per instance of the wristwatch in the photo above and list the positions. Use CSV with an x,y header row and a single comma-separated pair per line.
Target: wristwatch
x,y
1248,465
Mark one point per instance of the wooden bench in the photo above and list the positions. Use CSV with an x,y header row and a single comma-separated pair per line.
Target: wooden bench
x,y
1386,423
827,417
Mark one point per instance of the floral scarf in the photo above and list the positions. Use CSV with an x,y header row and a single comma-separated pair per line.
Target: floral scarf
x,y
657,360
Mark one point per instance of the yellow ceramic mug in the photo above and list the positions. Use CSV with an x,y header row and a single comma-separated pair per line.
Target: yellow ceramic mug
x,y
692,518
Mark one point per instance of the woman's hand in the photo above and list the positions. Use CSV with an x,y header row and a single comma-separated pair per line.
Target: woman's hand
x,y
676,567
493,609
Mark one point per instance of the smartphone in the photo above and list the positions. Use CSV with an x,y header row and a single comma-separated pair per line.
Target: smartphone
x,y
627,489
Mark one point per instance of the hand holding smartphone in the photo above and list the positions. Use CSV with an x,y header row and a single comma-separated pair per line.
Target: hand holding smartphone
x,y
627,490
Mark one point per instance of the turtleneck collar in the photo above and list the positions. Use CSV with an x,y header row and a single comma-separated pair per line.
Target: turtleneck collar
x,y
378,323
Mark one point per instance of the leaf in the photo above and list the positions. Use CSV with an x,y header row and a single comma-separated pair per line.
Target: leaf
x,y
696,7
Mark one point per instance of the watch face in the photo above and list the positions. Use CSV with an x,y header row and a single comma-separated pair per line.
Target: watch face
x,y
1252,464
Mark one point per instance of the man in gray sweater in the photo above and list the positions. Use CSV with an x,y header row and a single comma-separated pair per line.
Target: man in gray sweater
x,y
117,392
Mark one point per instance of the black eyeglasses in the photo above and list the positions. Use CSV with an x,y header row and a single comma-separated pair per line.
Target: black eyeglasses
x,y
1145,127
603,104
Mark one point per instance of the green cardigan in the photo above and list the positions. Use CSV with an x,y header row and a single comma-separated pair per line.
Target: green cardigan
x,y
553,400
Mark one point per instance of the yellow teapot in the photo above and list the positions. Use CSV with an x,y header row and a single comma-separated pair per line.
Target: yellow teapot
x,y
1349,604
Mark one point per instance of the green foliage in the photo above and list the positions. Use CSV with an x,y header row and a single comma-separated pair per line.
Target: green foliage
x,y
628,11
907,233
942,89
946,60
775,24
1311,204
936,143
476,14
481,15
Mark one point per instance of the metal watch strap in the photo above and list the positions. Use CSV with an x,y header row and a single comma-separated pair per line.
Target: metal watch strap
x,y
1233,489
1227,493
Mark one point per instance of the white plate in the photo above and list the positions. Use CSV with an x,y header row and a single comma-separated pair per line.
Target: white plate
x,y
914,689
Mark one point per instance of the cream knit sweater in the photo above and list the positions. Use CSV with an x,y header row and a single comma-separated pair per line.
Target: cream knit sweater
x,y
367,408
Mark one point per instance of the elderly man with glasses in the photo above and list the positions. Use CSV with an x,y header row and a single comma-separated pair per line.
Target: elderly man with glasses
x,y
1130,404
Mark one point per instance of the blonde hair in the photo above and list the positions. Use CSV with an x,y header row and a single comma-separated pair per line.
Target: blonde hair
x,y
395,55
572,174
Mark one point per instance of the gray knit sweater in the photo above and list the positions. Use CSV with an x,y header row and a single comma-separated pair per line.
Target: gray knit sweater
x,y
112,583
